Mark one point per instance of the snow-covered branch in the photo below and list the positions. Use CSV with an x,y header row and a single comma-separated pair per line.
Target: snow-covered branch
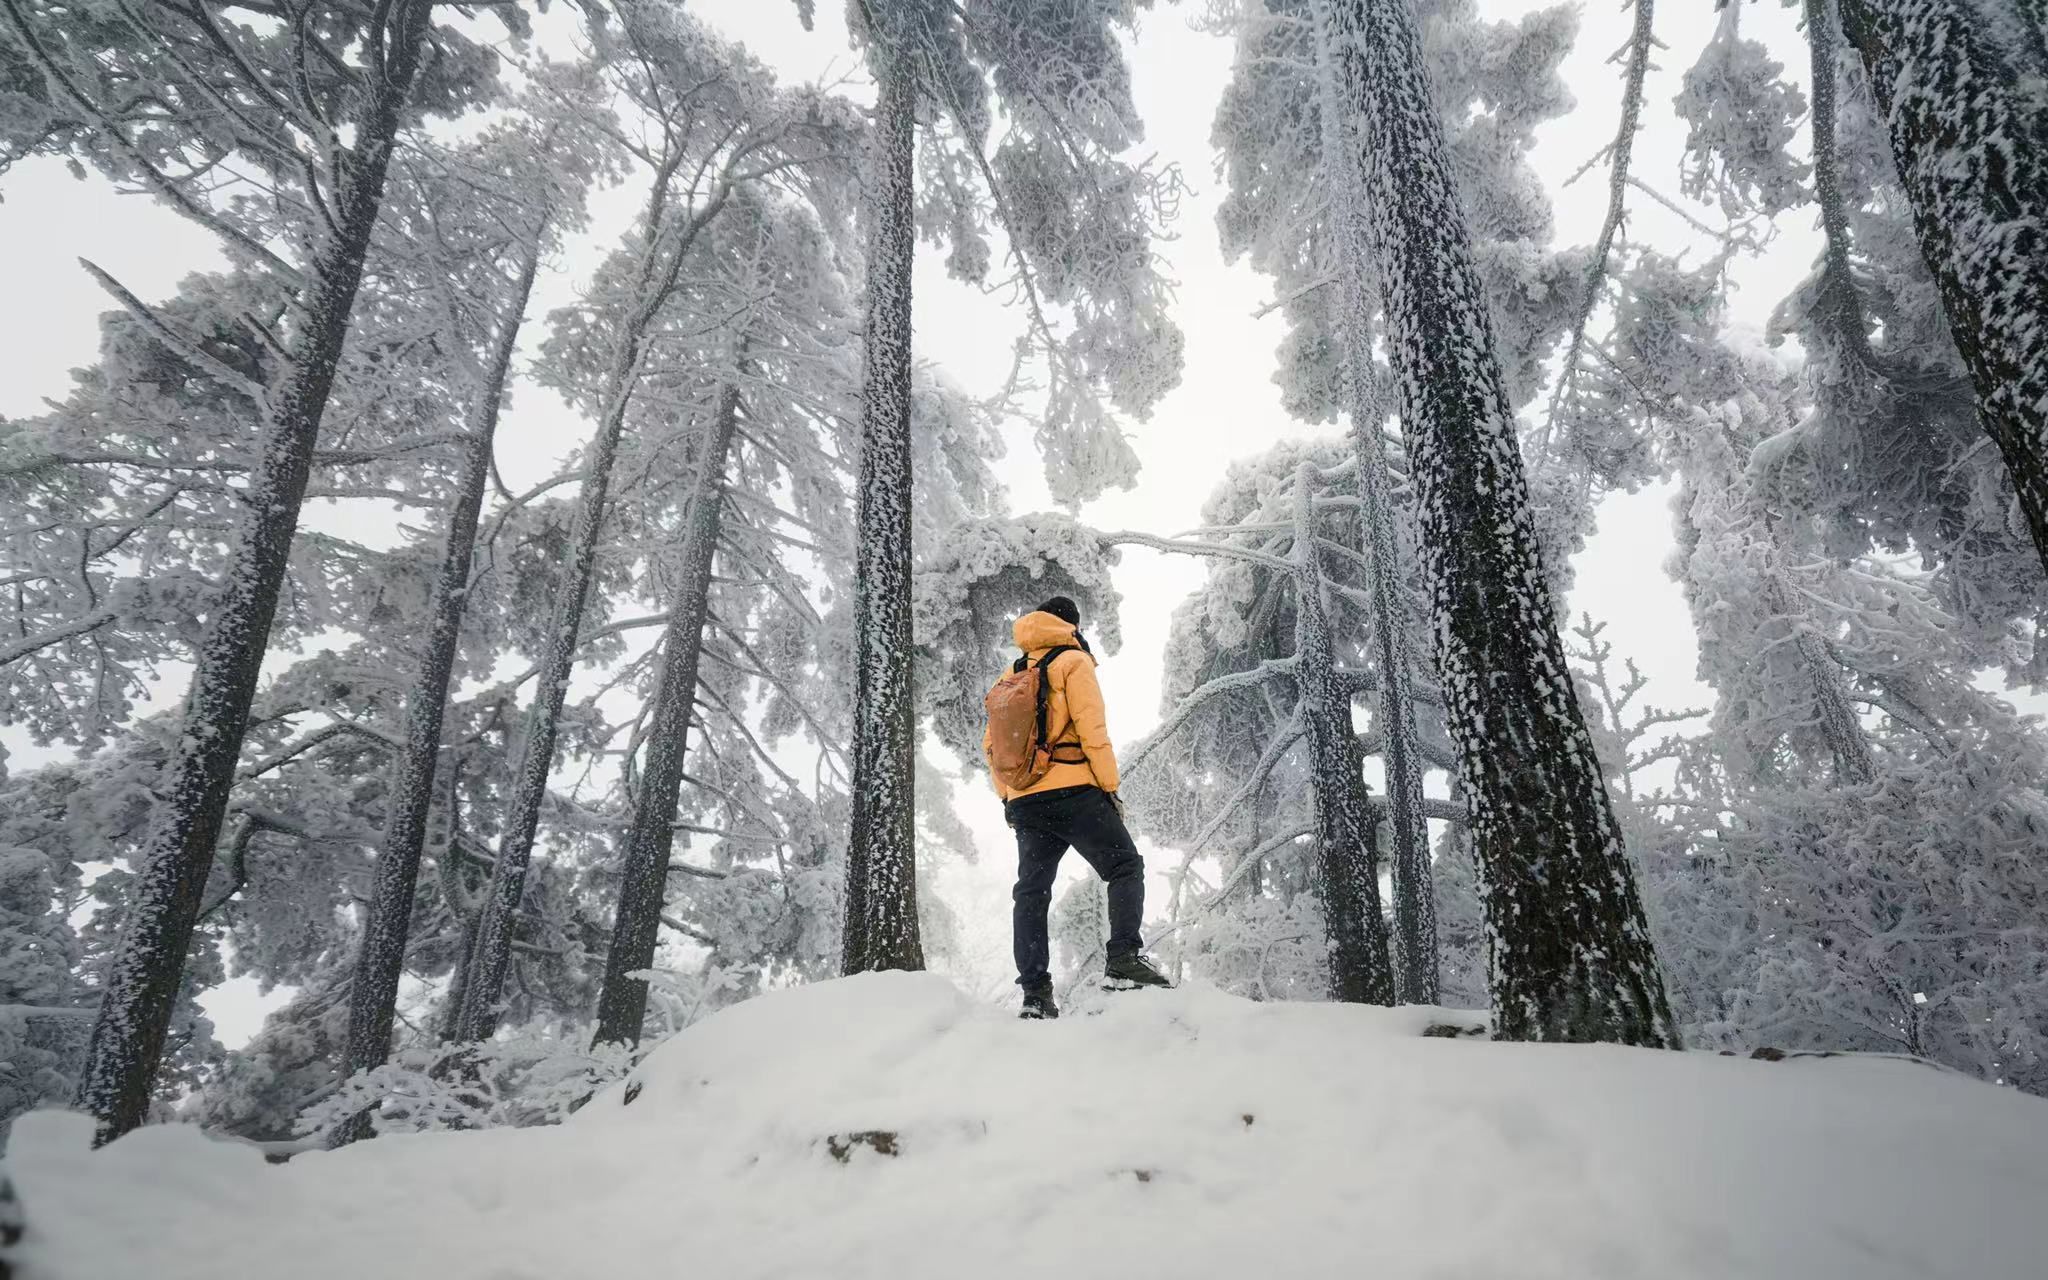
x,y
1126,537
1270,669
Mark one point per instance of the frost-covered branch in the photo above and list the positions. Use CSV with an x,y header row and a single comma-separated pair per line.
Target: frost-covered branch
x,y
693,935
1128,537
27,645
173,192
1292,296
325,733
254,388
143,462
1294,731
1270,669
1247,863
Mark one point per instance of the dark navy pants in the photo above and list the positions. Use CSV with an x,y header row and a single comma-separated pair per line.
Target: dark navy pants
x,y
1049,823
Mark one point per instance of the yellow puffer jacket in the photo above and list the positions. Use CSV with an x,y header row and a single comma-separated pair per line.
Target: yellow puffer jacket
x,y
1073,709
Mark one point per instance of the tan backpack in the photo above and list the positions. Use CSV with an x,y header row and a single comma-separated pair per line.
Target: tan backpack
x,y
1018,753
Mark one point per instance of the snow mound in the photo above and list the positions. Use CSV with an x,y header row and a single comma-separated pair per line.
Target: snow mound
x,y
885,1126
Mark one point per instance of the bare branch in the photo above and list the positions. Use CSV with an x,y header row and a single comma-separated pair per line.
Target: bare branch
x,y
1641,40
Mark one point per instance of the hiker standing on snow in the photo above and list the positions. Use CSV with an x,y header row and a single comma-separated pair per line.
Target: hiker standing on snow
x,y
1048,752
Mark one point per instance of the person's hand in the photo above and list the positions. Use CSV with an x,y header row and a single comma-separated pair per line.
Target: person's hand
x,y
1115,802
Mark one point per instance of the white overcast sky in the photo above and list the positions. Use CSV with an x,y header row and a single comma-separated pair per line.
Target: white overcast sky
x,y
1226,408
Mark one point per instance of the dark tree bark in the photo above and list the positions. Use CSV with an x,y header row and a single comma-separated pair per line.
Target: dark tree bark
x,y
881,861
1572,955
449,877
622,1003
1415,943
192,796
380,961
450,1029
1415,946
1972,153
1347,852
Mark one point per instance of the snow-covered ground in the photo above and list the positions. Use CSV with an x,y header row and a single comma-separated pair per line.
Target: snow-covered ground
x,y
1175,1134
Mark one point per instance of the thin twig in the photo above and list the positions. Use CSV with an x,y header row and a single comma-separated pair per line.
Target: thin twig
x,y
1640,42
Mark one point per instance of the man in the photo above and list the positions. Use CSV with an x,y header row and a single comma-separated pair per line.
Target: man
x,y
1073,806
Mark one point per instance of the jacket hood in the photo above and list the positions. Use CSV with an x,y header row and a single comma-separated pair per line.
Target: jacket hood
x,y
1037,630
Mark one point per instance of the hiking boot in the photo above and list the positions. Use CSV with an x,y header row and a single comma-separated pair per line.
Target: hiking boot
x,y
1038,1003
1133,970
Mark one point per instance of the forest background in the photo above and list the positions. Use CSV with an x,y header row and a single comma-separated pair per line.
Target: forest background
x,y
1226,408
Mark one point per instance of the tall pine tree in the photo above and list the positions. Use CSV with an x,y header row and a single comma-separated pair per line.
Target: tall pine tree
x,y
1572,957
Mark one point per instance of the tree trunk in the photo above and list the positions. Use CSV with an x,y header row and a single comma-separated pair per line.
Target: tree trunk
x,y
1572,956
881,858
1972,153
484,973
373,995
1347,853
498,912
191,798
1838,301
455,894
622,1003
450,1029
1414,900
1840,727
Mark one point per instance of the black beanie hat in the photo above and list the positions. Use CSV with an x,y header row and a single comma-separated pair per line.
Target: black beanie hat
x,y
1064,609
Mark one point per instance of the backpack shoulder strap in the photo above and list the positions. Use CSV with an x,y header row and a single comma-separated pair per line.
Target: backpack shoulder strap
x,y
1045,685
1051,654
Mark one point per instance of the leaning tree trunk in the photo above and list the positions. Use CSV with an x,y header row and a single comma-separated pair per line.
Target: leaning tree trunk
x,y
191,799
497,914
881,856
1840,727
461,904
380,960
1572,956
1972,153
450,1029
491,953
622,1003
1346,851
1414,899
